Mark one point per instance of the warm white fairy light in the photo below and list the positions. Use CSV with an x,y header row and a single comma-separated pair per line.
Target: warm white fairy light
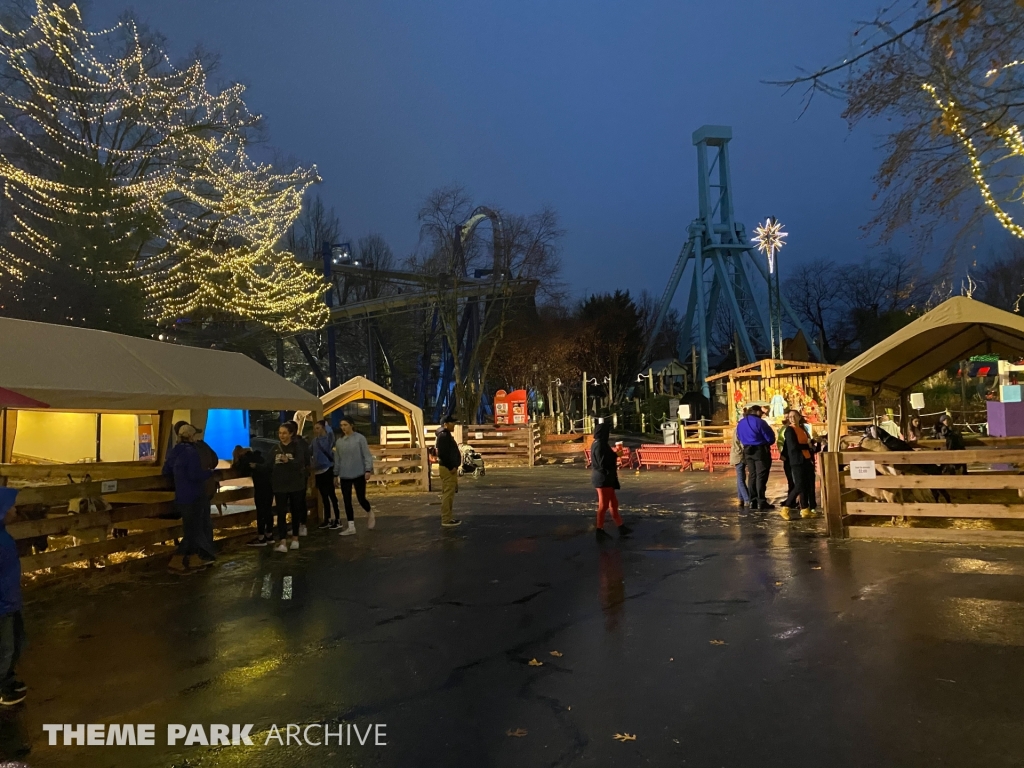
x,y
1011,139
126,149
769,239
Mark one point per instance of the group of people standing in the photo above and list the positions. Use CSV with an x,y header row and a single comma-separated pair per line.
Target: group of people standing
x,y
752,458
279,483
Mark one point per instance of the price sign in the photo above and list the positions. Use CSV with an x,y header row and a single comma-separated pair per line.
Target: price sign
x,y
862,470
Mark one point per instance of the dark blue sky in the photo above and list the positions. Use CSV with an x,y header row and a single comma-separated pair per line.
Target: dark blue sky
x,y
586,105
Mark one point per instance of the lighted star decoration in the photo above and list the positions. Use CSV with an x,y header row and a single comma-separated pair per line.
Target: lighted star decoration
x,y
111,143
769,239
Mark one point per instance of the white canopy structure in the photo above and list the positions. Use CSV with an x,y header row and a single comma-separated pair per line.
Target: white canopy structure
x,y
73,368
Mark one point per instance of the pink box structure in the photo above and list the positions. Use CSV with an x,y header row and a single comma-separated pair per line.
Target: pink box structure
x,y
1005,419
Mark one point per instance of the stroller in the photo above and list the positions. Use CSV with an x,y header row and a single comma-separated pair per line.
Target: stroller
x,y
472,462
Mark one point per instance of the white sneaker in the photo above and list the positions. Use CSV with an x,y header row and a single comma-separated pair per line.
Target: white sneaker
x,y
282,547
349,530
371,519
294,544
302,532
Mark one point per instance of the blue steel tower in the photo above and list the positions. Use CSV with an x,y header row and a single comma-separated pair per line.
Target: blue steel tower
x,y
721,265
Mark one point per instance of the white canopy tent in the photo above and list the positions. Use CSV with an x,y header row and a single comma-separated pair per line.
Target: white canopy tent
x,y
79,371
83,369
953,331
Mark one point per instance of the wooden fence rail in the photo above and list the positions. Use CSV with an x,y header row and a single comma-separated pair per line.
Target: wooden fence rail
x,y
37,518
991,495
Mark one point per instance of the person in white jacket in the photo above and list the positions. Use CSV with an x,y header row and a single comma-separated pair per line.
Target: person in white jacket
x,y
353,466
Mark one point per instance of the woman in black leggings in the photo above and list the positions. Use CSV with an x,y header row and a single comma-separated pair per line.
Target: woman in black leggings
x,y
323,470
353,466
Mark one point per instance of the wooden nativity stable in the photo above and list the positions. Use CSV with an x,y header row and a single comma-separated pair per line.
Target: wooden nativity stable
x,y
777,384
903,495
88,466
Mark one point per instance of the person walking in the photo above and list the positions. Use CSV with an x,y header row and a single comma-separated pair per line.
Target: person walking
x,y
800,455
12,625
252,463
289,479
185,465
737,460
353,466
757,438
324,472
604,474
449,459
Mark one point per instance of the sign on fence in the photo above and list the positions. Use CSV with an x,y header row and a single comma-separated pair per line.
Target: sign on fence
x,y
862,470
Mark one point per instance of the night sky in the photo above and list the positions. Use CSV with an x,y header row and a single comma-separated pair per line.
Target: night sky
x,y
586,105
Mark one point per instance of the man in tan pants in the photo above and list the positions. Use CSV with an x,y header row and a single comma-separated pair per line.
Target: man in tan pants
x,y
449,459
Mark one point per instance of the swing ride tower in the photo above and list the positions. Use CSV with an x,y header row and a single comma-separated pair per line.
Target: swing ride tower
x,y
724,270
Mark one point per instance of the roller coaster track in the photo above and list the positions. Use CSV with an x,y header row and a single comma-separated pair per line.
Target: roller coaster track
x,y
408,302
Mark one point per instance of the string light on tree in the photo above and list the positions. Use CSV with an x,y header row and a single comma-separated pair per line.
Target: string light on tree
x,y
124,168
769,238
1010,144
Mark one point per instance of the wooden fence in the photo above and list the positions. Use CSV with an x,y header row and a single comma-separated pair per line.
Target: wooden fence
x,y
985,506
504,446
396,464
566,448
141,505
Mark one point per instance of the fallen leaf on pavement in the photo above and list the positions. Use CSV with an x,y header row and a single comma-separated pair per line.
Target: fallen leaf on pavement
x,y
815,567
535,663
718,642
625,737
518,733
556,653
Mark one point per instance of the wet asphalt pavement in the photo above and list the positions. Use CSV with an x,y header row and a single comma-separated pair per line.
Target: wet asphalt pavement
x,y
713,638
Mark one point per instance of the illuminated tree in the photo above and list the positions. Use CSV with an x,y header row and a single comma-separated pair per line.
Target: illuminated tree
x,y
123,170
944,75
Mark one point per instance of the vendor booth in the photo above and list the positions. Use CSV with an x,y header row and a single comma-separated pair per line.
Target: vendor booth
x,y
925,494
112,400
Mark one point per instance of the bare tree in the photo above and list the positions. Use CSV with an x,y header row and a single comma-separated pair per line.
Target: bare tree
x,y
316,225
480,283
855,305
946,77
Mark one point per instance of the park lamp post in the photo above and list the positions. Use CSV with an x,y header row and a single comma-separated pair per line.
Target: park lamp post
x,y
650,379
586,403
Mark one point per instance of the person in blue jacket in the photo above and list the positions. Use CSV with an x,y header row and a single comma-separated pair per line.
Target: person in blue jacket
x,y
757,439
185,465
12,627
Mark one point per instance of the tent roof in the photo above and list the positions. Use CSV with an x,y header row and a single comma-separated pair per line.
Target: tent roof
x,y
668,367
954,330
83,369
362,384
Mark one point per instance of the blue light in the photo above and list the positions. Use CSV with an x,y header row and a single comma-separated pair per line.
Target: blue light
x,y
225,429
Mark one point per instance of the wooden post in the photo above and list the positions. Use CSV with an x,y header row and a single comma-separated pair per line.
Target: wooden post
x,y
830,483
163,437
